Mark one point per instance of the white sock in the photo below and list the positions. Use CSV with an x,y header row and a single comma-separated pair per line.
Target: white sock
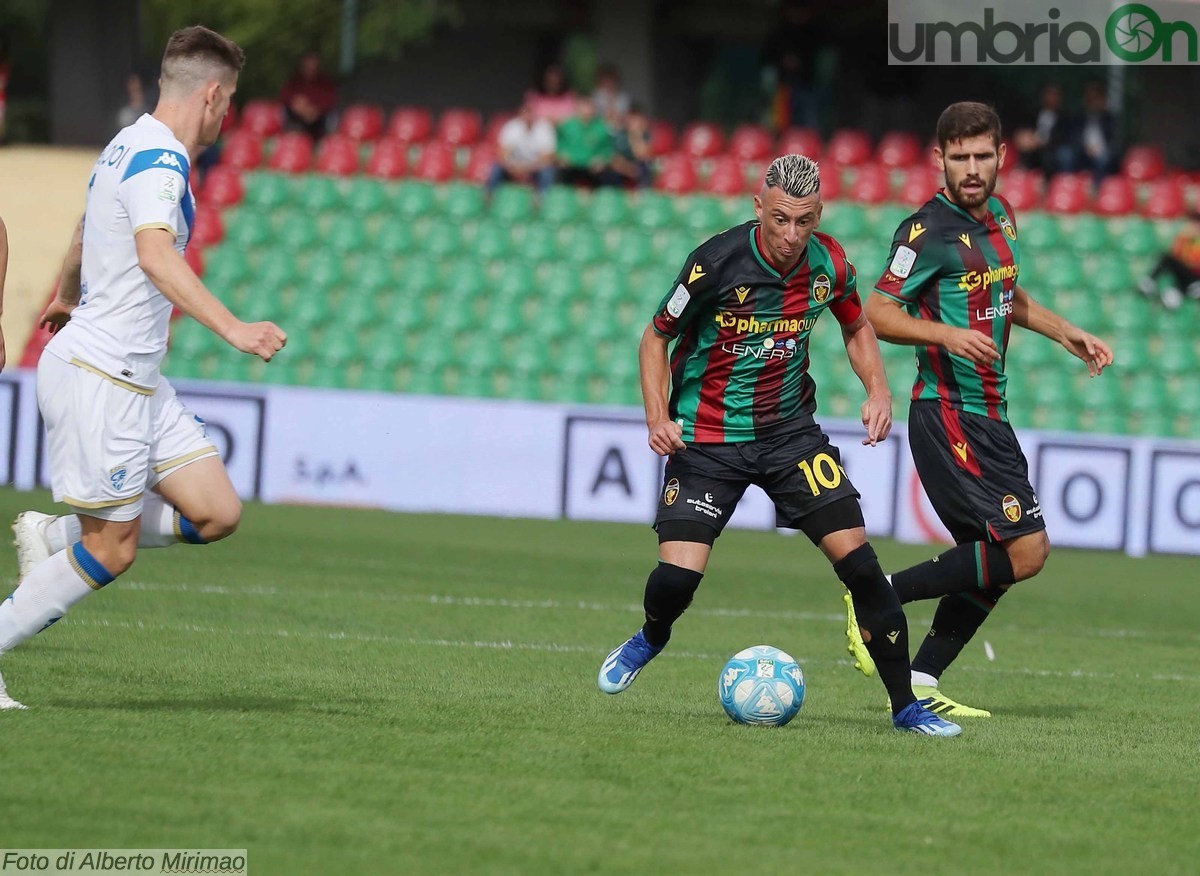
x,y
924,679
889,577
158,526
45,595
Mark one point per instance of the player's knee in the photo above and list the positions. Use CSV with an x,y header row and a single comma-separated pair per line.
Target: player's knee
x,y
1028,555
115,556
222,520
669,592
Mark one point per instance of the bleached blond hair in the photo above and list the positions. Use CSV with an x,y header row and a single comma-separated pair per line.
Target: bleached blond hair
x,y
798,175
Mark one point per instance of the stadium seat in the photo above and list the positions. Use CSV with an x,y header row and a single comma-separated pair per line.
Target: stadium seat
x,y
459,127
388,159
561,205
394,237
800,141
1067,193
292,154
207,228
1165,200
662,138
1087,234
1143,163
636,250
365,196
436,162
275,269
750,143
1115,197
222,187
318,193
264,118
702,140
581,244
848,147
224,267
872,185
1038,231
512,203
1021,188
410,124
337,155
846,221
538,243
298,231
194,256
702,214
898,149
361,122
496,121
414,199
831,184
609,207
917,185
461,200
242,150
325,270
1135,237
480,161
248,229
677,174
345,237
727,177
653,210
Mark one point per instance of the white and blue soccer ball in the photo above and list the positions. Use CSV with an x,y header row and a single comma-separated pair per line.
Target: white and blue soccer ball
x,y
761,685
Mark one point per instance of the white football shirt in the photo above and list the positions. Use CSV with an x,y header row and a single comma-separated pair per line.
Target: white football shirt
x,y
121,325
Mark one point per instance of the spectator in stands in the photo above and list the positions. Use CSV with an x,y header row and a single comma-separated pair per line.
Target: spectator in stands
x,y
630,163
1093,142
1041,146
552,100
135,104
612,103
1179,266
789,59
309,97
585,146
526,144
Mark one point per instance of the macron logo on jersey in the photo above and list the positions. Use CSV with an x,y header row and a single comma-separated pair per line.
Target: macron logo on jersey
x,y
169,159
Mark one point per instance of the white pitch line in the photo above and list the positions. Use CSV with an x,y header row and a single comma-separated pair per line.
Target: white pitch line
x,y
559,648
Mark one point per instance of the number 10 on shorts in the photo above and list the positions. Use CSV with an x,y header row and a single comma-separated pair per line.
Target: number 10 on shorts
x,y
821,473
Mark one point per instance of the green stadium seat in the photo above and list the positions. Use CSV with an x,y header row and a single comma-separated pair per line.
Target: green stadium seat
x,y
248,229
414,199
345,235
582,244
653,210
1134,236
394,237
884,220
491,243
702,215
608,207
846,220
606,285
356,311
444,241
635,249
1088,235
319,193
1153,423
514,283
297,231
1131,318
1065,276
311,309
561,206
265,190
461,200
324,270
1038,231
275,269
674,246
373,275
537,243
1110,276
225,266
1178,356
366,196
512,203
561,282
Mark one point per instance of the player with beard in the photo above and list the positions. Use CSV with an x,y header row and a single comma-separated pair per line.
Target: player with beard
x,y
950,289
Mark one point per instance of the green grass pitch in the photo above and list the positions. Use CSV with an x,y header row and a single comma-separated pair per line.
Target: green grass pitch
x,y
359,692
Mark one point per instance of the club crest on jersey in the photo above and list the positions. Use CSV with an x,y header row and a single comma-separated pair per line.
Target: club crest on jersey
x,y
1007,227
671,493
821,287
1012,508
117,477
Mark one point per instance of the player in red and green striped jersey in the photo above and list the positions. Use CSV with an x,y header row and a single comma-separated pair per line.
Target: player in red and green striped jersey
x,y
733,404
950,289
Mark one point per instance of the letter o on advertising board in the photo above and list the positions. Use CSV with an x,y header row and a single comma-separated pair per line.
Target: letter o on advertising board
x,y
1175,502
1084,493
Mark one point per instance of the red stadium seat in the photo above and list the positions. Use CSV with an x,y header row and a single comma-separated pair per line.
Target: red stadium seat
x,y
898,149
231,119
338,155
436,162
800,141
410,124
207,227
480,162
388,159
1115,197
728,177
361,121
1165,200
242,150
222,187
1067,193
662,138
918,185
750,143
459,127
1143,163
848,147
262,117
702,140
872,185
293,153
491,134
831,183
1021,188
195,261
677,174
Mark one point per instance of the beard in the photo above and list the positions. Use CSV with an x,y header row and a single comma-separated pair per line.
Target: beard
x,y
972,199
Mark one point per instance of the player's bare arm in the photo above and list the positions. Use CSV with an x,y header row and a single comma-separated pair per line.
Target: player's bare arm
x,y
3,273
1029,314
665,434
893,325
66,295
862,349
179,284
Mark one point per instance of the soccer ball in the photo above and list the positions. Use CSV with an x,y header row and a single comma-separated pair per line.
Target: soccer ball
x,y
761,685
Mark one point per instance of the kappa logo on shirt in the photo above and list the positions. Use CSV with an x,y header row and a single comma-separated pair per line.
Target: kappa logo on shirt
x,y
169,159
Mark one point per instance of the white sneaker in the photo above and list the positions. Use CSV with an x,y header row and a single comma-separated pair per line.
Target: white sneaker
x,y
7,702
32,546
